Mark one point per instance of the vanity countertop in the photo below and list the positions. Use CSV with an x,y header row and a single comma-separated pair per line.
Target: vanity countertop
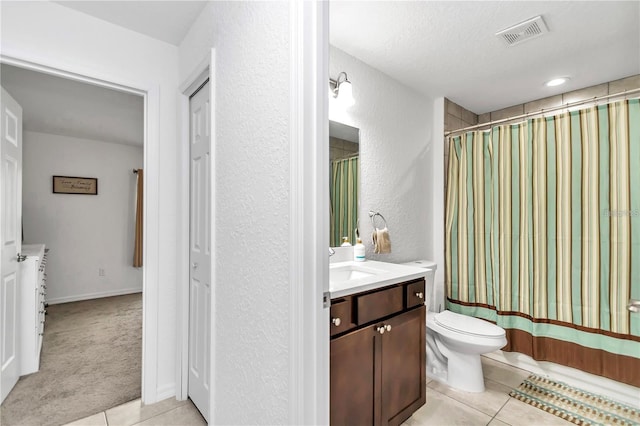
x,y
375,275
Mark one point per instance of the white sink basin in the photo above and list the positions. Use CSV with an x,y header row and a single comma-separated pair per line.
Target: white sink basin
x,y
351,272
352,277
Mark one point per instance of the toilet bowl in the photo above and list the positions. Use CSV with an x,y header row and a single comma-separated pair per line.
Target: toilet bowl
x,y
455,341
461,339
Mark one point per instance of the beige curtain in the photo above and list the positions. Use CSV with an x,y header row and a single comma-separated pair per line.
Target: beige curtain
x,y
137,250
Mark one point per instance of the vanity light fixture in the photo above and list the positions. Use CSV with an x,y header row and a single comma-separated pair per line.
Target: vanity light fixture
x,y
556,81
341,90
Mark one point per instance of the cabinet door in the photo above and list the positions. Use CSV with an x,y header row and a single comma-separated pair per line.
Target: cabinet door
x,y
403,366
352,375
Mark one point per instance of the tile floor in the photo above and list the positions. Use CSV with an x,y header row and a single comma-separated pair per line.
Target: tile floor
x,y
493,407
165,413
444,406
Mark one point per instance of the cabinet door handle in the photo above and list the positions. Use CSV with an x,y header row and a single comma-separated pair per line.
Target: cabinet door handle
x,y
387,327
336,322
419,295
381,329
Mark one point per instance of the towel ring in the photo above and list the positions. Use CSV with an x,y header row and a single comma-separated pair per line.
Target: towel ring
x,y
373,215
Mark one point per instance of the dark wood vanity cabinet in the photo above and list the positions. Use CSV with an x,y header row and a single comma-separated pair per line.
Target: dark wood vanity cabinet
x,y
352,378
378,367
403,366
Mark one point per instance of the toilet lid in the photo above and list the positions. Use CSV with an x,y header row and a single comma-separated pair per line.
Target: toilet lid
x,y
468,325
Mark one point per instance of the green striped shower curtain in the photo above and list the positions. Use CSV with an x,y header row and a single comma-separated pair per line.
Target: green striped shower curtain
x,y
543,235
344,200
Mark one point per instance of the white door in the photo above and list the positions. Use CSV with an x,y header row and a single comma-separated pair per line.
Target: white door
x,y
10,238
200,250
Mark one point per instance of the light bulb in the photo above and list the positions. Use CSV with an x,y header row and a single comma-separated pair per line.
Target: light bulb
x,y
345,94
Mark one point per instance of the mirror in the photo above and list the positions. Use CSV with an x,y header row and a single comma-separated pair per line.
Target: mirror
x,y
344,178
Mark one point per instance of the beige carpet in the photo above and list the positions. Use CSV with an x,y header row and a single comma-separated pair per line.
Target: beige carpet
x,y
91,361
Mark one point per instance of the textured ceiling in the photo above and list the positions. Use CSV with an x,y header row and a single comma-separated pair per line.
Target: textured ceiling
x,y
438,48
163,20
449,48
64,107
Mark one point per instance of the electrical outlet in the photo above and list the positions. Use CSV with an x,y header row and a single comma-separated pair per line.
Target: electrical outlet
x,y
101,272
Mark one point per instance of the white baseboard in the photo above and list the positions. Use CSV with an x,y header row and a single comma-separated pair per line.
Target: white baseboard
x,y
617,391
77,298
166,391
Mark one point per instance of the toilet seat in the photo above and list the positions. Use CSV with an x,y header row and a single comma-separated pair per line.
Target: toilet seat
x,y
468,325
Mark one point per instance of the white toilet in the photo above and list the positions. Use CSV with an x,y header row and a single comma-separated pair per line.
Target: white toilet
x,y
454,341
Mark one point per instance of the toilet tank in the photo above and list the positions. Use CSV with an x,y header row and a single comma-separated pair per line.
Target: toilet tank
x,y
434,302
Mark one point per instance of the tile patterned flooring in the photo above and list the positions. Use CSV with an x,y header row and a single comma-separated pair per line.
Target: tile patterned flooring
x,y
444,406
165,413
493,407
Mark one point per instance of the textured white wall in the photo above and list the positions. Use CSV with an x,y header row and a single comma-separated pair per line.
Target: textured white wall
x,y
252,205
84,232
435,248
48,33
396,156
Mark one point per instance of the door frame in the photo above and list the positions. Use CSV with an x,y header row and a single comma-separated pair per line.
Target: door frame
x,y
151,165
309,213
205,70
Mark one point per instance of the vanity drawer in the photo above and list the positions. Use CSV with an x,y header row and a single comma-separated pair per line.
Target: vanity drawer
x,y
415,293
379,304
340,316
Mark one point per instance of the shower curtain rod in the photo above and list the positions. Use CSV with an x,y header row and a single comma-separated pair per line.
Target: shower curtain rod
x,y
542,111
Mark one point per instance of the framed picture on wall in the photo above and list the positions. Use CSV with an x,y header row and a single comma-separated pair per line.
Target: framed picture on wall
x,y
75,185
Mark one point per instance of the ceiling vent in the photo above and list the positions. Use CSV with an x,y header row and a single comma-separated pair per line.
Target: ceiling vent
x,y
531,28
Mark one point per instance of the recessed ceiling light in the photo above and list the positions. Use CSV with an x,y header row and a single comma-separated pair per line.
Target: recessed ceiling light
x,y
557,81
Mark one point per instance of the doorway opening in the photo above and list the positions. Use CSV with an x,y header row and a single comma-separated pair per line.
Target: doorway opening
x,y
91,237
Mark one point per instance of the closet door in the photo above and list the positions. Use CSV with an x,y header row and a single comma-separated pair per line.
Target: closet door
x,y
10,238
200,250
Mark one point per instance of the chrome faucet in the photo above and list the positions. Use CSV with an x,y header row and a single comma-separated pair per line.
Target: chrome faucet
x,y
331,252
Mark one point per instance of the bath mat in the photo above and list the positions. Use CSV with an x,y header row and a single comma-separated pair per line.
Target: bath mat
x,y
574,405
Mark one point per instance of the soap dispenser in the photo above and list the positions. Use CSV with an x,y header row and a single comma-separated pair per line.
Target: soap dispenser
x,y
345,242
358,251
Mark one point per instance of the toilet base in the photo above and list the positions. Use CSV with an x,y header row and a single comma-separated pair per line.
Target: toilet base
x,y
464,372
